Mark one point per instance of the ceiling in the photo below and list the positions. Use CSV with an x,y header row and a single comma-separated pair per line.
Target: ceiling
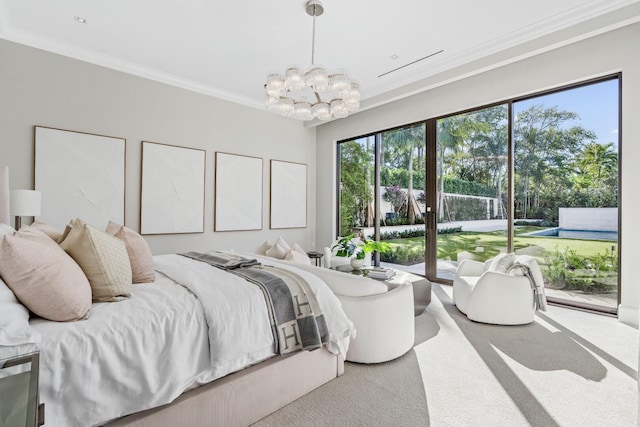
x,y
226,48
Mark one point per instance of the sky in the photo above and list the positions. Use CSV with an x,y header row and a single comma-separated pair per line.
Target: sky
x,y
595,104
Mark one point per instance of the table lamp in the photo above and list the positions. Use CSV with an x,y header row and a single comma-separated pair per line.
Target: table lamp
x,y
24,203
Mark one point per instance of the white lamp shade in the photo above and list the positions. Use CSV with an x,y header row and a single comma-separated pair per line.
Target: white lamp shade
x,y
25,202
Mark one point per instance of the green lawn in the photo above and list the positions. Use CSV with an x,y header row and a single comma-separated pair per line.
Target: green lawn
x,y
598,255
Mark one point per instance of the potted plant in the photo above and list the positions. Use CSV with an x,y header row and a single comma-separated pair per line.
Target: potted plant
x,y
356,248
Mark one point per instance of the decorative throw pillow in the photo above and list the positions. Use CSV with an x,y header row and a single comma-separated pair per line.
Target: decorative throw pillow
x,y
296,256
277,251
138,250
30,233
303,257
102,257
282,243
44,278
264,247
502,262
47,229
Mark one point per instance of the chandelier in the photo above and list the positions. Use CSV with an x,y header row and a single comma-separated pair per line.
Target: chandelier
x,y
315,93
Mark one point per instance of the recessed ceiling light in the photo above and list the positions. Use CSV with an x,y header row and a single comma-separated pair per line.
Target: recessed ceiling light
x,y
80,20
394,56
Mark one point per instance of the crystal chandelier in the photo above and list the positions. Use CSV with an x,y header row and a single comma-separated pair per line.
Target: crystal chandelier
x,y
315,93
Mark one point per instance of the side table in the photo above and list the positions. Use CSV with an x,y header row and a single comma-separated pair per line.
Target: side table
x,y
421,289
317,257
19,391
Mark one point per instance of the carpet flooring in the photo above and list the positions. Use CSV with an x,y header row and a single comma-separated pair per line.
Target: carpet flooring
x,y
567,368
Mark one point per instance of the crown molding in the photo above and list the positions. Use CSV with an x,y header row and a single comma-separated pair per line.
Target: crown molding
x,y
418,80
110,62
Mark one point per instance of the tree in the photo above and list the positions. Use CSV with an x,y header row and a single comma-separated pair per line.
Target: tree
x,y
401,147
544,149
455,136
596,162
355,191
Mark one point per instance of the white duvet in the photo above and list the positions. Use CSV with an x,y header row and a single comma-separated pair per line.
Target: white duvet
x,y
145,351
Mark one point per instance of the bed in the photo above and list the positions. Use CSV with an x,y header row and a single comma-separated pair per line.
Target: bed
x,y
194,347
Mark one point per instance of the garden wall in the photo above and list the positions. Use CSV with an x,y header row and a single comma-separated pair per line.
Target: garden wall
x,y
599,219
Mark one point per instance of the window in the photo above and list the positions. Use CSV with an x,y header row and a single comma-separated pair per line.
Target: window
x,y
536,175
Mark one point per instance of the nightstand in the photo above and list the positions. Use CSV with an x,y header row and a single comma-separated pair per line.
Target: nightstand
x,y
316,256
19,391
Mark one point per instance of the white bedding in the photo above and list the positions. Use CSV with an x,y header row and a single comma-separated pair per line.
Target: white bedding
x,y
145,351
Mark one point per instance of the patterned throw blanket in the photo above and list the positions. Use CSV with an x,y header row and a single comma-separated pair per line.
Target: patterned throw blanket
x,y
297,322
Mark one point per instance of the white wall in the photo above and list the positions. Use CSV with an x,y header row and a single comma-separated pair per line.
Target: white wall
x,y
598,219
601,55
45,89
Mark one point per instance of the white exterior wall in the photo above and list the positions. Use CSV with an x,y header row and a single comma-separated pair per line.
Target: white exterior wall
x,y
596,219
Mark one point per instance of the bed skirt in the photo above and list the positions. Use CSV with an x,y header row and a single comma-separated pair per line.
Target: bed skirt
x,y
244,397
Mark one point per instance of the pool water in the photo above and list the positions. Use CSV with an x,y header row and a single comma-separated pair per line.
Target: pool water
x,y
576,234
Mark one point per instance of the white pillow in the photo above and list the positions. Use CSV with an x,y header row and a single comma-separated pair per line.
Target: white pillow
x,y
264,247
6,230
14,320
502,262
282,243
298,257
302,254
277,251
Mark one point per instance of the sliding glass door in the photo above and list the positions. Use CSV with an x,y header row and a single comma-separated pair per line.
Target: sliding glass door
x,y
356,183
566,191
536,175
472,187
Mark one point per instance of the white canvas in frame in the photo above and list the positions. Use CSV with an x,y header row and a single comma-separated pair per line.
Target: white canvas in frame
x,y
172,194
288,195
238,193
80,175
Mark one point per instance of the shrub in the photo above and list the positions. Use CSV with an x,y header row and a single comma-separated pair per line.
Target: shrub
x,y
404,255
567,269
415,232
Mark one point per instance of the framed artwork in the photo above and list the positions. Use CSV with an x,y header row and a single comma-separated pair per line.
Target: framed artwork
x,y
288,195
238,197
172,189
80,175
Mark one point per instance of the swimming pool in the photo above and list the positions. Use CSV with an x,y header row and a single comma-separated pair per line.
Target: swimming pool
x,y
575,234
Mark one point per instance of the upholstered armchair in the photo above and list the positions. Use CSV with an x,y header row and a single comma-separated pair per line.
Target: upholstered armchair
x,y
384,324
493,295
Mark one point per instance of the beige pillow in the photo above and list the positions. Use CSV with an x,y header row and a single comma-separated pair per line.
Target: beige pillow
x,y
102,257
47,229
44,278
138,250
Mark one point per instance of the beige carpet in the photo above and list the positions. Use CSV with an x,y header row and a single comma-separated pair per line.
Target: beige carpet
x,y
568,368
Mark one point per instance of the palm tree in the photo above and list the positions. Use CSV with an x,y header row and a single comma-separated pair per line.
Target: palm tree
x,y
403,145
597,161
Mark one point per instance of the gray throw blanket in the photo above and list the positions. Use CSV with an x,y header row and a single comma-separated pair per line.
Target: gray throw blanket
x,y
296,320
